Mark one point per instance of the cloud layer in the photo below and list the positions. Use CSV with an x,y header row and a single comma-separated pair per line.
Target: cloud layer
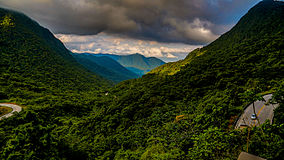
x,y
188,21
110,44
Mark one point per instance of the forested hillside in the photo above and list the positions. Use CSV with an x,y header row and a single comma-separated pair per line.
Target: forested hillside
x,y
187,113
33,60
172,68
105,67
38,72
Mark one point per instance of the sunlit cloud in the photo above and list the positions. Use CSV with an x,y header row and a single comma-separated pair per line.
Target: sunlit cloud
x,y
114,44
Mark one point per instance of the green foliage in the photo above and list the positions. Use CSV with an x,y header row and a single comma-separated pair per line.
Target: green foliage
x,y
279,98
212,143
268,144
5,110
7,21
174,67
33,60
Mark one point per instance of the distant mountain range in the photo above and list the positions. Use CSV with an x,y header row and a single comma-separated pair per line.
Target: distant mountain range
x,y
118,67
105,67
136,63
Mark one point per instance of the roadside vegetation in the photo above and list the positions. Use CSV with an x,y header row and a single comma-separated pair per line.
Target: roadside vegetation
x,y
5,110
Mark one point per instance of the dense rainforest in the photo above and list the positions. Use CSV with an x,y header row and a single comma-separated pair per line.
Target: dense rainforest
x,y
182,110
31,55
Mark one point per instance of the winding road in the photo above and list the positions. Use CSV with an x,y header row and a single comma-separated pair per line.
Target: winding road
x,y
15,108
263,111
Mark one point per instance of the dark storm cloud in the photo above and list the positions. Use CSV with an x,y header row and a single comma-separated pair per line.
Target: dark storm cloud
x,y
189,21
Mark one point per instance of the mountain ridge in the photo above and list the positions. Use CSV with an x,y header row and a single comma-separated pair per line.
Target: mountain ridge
x,y
225,41
136,63
32,55
105,67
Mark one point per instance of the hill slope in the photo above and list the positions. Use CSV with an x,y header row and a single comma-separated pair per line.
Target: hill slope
x,y
187,115
136,63
248,30
105,67
31,57
172,68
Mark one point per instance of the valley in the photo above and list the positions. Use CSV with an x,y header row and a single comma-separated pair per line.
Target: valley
x,y
117,67
103,106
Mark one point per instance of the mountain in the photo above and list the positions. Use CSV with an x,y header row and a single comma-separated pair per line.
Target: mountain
x,y
31,58
187,112
136,63
172,68
247,30
105,67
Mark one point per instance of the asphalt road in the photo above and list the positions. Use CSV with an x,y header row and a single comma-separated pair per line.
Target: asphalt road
x,y
15,108
262,110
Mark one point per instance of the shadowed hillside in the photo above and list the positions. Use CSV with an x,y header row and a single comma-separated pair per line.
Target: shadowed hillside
x,y
105,67
31,57
136,63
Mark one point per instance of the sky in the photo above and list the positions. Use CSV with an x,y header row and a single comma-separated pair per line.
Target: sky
x,y
167,29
